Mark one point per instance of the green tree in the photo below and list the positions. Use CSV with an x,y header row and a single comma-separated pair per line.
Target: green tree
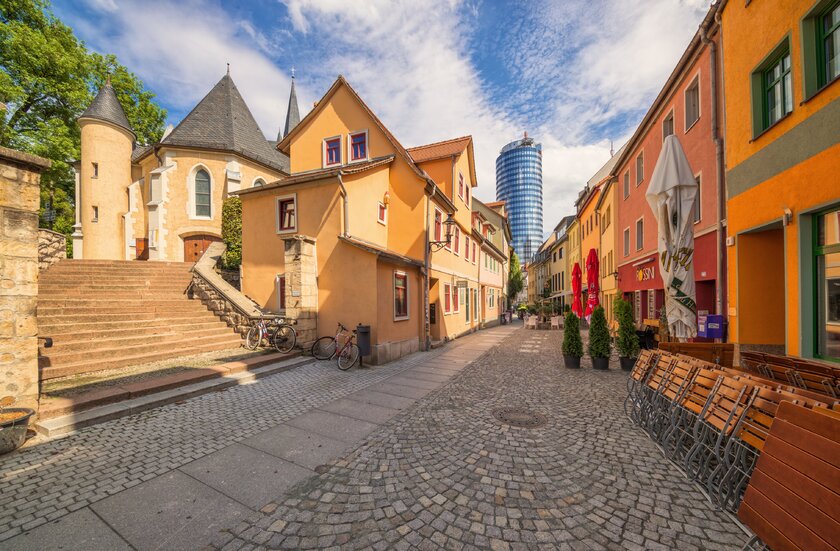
x,y
232,232
572,342
627,342
515,278
48,79
599,335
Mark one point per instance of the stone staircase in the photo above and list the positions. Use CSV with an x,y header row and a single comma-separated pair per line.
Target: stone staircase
x,y
105,314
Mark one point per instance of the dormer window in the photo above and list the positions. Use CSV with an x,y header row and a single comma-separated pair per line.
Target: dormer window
x,y
358,146
332,151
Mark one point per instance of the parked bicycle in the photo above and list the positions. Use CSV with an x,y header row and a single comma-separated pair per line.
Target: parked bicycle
x,y
342,347
281,336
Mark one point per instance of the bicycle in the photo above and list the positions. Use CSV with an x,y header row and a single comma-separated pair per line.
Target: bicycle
x,y
327,348
282,338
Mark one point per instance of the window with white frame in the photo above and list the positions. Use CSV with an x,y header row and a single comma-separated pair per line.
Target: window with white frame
x,y
400,296
457,238
381,213
627,242
640,168
286,213
259,182
358,146
461,186
627,184
467,248
201,194
668,125
332,151
447,298
640,234
697,201
456,299
438,225
692,103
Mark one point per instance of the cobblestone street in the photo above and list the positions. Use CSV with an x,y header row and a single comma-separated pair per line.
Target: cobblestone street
x,y
404,456
446,474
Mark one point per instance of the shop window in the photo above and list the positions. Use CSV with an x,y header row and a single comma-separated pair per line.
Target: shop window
x,y
827,267
400,296
692,103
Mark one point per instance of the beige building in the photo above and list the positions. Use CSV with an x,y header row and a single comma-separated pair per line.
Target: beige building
x,y
164,201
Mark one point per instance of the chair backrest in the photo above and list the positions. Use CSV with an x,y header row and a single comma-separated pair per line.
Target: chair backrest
x,y
645,361
679,379
728,403
701,387
793,497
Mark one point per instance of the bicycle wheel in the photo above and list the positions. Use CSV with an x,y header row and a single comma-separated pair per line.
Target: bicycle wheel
x,y
324,348
252,340
349,355
284,338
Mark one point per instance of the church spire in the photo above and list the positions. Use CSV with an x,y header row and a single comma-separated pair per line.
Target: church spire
x,y
293,114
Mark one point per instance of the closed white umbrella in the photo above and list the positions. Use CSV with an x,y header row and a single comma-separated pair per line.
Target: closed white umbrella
x,y
671,195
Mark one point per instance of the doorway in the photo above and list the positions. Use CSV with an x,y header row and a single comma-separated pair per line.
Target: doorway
x,y
196,245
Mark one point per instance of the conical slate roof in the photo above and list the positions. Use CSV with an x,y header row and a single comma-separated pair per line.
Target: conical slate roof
x,y
222,121
106,107
292,114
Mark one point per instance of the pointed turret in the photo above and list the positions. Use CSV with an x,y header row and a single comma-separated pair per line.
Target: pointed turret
x,y
292,114
106,107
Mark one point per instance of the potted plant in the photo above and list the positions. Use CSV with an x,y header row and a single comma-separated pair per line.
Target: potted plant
x,y
572,343
599,339
627,341
13,425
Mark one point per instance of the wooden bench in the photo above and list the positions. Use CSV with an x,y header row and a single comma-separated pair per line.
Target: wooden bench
x,y
792,501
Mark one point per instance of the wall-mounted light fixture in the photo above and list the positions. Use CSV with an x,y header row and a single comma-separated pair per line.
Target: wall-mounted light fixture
x,y
386,199
788,217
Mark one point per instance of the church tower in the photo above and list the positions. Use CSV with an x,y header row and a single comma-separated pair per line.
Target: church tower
x,y
102,178
292,113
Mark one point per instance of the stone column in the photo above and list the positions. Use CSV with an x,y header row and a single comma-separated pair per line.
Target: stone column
x,y
20,184
302,286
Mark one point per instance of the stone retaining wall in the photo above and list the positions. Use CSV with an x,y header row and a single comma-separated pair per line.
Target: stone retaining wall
x,y
219,305
20,196
52,247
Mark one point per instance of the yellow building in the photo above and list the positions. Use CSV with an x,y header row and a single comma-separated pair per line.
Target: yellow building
x,y
164,201
558,257
357,234
492,231
574,249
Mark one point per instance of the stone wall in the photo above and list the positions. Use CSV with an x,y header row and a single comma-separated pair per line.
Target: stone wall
x,y
219,305
52,247
302,287
20,181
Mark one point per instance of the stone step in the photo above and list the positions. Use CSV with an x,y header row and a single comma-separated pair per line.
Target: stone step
x,y
74,363
106,295
110,341
74,331
115,302
45,312
88,280
115,317
227,375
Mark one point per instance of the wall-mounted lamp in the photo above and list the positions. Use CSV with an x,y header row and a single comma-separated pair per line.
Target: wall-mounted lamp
x,y
788,217
386,200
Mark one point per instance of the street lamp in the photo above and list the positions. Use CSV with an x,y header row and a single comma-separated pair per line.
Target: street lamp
x,y
448,224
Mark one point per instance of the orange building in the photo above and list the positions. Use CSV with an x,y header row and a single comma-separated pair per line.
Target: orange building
x,y
782,100
351,236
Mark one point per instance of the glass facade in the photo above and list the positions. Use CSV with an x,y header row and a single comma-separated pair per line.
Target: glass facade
x,y
519,185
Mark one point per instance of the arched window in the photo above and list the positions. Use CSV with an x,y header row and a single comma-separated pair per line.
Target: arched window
x,y
259,182
202,193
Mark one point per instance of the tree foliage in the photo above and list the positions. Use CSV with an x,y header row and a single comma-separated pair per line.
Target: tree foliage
x,y
599,335
48,79
232,232
515,277
572,342
627,342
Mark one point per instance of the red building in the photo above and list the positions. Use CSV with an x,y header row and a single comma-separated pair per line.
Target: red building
x,y
689,106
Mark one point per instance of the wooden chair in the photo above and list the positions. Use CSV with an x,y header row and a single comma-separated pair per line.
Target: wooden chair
x,y
678,438
555,322
531,322
792,501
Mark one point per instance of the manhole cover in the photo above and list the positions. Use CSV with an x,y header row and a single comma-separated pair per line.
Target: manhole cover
x,y
520,417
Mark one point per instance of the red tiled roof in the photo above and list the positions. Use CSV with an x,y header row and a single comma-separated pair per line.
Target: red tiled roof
x,y
439,150
495,204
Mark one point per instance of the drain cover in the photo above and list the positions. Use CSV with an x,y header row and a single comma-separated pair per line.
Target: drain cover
x,y
520,417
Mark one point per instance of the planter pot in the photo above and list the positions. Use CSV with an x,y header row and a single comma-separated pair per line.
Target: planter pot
x,y
572,362
13,430
601,363
627,363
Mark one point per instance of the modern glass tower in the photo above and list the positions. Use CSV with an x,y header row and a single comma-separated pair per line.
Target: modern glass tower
x,y
519,185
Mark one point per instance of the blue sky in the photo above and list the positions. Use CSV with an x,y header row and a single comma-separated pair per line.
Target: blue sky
x,y
575,74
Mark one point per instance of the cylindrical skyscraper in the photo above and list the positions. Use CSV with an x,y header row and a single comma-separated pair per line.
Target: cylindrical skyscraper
x,y
519,185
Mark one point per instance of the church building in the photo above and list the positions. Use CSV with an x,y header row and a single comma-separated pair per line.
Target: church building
x,y
164,201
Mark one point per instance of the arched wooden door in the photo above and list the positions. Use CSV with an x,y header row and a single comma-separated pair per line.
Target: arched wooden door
x,y
195,245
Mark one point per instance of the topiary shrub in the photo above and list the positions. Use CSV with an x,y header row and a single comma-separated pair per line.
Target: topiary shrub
x,y
627,341
572,343
232,232
599,335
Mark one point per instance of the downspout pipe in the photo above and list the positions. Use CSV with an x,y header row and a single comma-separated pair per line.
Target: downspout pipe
x,y
343,189
427,330
719,156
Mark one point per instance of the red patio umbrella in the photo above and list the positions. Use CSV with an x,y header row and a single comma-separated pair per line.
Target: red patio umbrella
x,y
591,283
577,307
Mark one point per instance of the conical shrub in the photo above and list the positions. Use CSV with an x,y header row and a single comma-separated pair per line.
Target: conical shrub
x,y
572,342
599,335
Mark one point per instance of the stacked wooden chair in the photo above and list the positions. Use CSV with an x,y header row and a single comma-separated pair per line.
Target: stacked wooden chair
x,y
714,422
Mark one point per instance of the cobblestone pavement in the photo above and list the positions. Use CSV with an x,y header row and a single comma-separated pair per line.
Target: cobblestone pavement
x,y
444,474
46,482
